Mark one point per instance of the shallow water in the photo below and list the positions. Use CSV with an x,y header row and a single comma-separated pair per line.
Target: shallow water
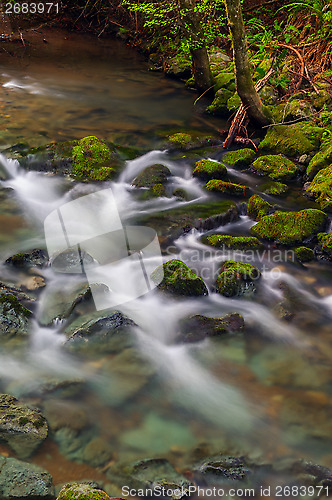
x,y
265,393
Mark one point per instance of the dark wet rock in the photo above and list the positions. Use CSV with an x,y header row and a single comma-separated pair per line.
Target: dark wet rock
x,y
14,317
156,174
242,243
277,167
23,428
258,207
321,188
178,279
274,188
228,188
198,327
35,258
76,491
237,279
282,139
20,480
223,467
65,414
319,472
151,473
304,254
107,332
208,169
239,158
98,452
291,228
71,261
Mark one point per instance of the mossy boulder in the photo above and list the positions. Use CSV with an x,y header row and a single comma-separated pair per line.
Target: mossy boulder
x,y
156,191
239,158
292,110
34,258
178,279
155,174
268,95
180,139
242,243
92,160
321,188
199,327
325,242
219,103
208,169
318,100
291,228
277,167
321,160
81,492
282,139
274,188
229,188
234,102
312,132
237,279
225,80
304,254
21,427
14,317
258,207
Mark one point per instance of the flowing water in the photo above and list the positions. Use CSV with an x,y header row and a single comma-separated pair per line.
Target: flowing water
x,y
265,393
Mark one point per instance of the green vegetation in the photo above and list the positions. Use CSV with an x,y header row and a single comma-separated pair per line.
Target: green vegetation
x,y
290,228
325,241
321,188
304,254
321,160
227,188
282,139
239,158
156,174
277,167
178,279
81,492
258,207
274,188
92,160
208,169
237,278
180,139
233,242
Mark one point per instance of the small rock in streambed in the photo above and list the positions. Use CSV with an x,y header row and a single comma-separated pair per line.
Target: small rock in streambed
x,y
237,279
76,491
155,174
229,188
223,467
32,283
34,258
239,158
14,317
198,327
258,207
208,169
178,279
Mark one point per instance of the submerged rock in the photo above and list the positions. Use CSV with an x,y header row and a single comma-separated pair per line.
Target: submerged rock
x,y
237,279
199,327
239,158
179,279
20,480
156,174
233,242
223,467
291,228
35,258
208,169
277,167
229,188
81,492
282,139
321,188
258,207
23,428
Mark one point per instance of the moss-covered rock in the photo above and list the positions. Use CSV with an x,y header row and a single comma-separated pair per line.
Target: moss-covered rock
x,y
304,254
274,188
321,160
81,492
268,95
208,169
35,258
282,139
198,327
311,131
224,187
277,167
318,100
156,191
219,103
23,428
180,139
325,242
237,279
321,188
92,160
156,174
291,228
225,80
14,317
258,207
233,242
234,102
239,158
292,110
178,279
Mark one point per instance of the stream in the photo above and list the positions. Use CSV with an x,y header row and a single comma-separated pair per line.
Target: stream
x,y
264,393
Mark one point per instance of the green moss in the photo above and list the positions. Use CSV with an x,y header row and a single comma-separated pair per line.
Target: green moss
x,y
304,254
233,242
321,188
285,140
92,160
180,139
208,169
81,492
227,188
219,103
318,100
225,80
258,207
23,421
321,160
239,158
9,302
181,193
313,133
234,102
325,241
274,188
292,110
277,167
156,174
236,278
178,279
290,228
